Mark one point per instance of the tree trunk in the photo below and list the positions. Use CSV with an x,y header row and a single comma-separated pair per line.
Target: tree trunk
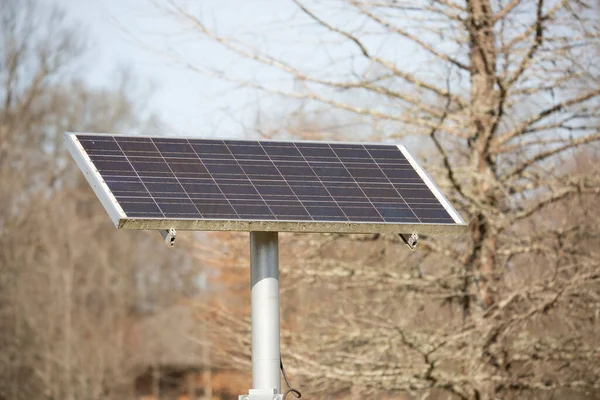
x,y
480,263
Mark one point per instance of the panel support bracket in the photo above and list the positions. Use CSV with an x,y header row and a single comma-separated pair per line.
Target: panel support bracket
x,y
168,236
410,240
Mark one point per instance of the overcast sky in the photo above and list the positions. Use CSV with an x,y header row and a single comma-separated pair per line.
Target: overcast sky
x,y
134,33
190,103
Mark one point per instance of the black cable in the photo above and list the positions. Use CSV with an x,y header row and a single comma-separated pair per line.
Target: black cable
x,y
292,390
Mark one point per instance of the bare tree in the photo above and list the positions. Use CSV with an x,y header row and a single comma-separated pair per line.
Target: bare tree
x,y
71,287
502,96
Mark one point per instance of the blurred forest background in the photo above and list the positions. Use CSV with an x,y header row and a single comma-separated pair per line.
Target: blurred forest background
x,y
504,111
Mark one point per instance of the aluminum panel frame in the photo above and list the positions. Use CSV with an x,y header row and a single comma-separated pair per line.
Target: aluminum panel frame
x,y
289,226
103,192
432,186
206,137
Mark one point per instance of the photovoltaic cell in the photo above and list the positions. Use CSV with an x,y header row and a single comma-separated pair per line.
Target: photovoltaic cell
x,y
178,179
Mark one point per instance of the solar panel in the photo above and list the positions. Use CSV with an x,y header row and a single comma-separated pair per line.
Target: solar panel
x,y
249,185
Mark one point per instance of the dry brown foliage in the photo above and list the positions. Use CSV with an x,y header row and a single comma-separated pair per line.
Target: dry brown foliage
x,y
503,98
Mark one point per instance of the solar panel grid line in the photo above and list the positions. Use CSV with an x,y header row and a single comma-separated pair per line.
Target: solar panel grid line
x,y
251,183
138,175
311,160
213,179
390,181
295,185
177,178
356,182
432,186
324,186
324,202
286,182
318,161
114,153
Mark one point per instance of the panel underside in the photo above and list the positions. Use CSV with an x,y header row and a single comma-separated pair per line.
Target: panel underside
x,y
205,184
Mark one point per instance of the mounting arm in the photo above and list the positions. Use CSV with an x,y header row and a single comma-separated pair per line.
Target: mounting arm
x,y
410,240
168,236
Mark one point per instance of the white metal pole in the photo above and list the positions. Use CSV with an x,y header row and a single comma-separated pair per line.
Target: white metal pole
x,y
264,271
